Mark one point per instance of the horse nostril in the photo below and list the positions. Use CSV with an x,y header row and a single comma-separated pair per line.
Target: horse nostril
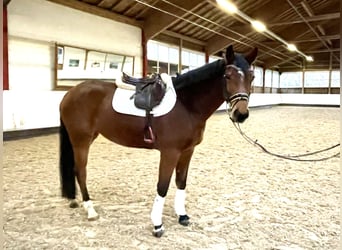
x,y
241,117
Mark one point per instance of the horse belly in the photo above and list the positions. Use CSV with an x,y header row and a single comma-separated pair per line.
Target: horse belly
x,y
125,130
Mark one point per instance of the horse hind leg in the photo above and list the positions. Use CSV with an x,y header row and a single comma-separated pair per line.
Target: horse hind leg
x,y
66,163
81,158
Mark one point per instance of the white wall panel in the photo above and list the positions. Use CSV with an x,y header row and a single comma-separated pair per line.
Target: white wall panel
x,y
43,20
34,26
31,65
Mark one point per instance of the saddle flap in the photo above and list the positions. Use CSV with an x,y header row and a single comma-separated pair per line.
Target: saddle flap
x,y
149,94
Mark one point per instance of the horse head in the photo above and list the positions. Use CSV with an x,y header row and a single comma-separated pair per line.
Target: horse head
x,y
239,77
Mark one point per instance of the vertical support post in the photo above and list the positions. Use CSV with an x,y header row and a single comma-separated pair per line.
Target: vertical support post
x,y
303,77
206,57
330,73
144,53
55,68
278,84
263,79
180,48
271,88
5,48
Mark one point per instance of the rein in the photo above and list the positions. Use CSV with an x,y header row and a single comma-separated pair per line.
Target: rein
x,y
288,157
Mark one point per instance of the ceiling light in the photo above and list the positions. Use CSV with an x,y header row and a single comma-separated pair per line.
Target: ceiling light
x,y
230,8
258,26
227,6
309,58
291,47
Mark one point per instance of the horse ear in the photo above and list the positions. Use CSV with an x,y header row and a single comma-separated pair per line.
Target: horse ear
x,y
250,57
230,54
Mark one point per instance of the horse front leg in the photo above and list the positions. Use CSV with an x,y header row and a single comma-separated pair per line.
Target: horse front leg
x,y
181,177
168,162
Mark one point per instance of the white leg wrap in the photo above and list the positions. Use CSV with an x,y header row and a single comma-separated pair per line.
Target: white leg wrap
x,y
89,208
180,202
157,210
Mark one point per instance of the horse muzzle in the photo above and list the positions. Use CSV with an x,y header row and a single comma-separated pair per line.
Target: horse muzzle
x,y
237,116
239,107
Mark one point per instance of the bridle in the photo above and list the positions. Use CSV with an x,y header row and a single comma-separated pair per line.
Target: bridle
x,y
234,99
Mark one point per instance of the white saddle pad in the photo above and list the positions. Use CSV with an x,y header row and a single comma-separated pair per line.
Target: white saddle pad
x,y
123,103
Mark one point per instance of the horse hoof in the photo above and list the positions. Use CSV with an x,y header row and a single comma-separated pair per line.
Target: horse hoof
x,y
184,220
93,218
73,204
158,231
92,215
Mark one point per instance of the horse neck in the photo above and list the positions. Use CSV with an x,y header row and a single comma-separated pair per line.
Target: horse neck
x,y
203,99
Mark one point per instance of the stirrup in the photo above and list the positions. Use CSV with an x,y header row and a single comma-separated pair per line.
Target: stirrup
x,y
151,137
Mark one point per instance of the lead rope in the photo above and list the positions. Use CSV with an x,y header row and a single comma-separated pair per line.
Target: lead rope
x,y
288,157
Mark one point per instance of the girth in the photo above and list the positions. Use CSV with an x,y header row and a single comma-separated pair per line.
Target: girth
x,y
149,92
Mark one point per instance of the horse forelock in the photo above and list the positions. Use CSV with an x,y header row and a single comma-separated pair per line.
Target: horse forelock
x,y
241,62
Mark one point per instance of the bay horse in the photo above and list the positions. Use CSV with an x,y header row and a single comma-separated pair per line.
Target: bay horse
x,y
86,111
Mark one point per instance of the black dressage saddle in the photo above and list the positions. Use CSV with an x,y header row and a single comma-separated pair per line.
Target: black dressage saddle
x,y
149,92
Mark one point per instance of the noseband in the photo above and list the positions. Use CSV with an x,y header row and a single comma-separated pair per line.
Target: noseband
x,y
238,96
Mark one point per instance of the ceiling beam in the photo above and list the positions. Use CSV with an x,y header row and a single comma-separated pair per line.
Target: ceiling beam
x,y
291,60
272,61
98,11
220,41
309,19
163,15
287,35
106,4
272,8
323,51
310,12
185,38
315,39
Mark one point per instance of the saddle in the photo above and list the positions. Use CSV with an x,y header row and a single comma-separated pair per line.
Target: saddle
x,y
149,92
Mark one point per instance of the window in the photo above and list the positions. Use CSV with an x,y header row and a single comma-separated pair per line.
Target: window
x,y
314,79
257,82
164,58
291,80
335,79
214,58
192,60
275,79
268,78
152,67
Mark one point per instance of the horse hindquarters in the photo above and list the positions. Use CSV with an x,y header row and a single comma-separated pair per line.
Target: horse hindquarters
x,y
66,164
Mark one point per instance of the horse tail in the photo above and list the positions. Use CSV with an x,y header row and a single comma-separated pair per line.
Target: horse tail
x,y
66,164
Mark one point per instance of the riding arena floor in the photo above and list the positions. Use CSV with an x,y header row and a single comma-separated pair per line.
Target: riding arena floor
x,y
238,197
